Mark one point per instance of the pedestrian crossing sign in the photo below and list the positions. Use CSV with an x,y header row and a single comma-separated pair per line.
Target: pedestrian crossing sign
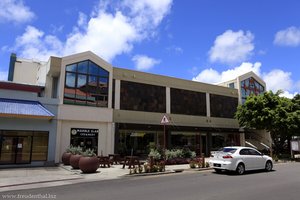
x,y
164,120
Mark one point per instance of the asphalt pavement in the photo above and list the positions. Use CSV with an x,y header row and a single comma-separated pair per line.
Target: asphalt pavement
x,y
280,184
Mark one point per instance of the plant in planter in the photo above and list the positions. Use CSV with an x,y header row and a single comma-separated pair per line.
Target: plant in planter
x,y
89,162
75,157
67,155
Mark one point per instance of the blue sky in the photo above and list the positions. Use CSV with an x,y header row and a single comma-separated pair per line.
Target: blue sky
x,y
202,40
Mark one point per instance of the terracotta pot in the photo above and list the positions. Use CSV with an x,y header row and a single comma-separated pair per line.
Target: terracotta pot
x,y
74,161
66,158
89,164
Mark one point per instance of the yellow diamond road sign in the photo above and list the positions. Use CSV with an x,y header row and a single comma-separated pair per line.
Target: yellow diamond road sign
x,y
164,120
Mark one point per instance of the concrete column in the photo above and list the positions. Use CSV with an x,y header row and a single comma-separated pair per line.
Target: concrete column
x,y
117,94
207,105
168,100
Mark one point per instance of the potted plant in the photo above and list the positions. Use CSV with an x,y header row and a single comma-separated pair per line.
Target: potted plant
x,y
75,157
67,155
89,162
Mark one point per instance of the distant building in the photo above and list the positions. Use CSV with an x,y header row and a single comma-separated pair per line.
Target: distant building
x,y
246,85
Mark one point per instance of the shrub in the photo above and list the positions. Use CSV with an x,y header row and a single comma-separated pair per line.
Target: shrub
x,y
155,154
88,153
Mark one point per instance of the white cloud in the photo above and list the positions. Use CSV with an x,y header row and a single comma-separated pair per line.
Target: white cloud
x,y
288,37
213,76
288,94
3,75
278,80
144,63
15,11
35,44
108,32
208,76
232,47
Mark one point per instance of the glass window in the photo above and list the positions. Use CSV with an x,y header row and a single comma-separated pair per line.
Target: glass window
x,y
231,85
85,86
142,97
70,79
82,67
223,106
93,68
71,68
40,146
250,86
188,102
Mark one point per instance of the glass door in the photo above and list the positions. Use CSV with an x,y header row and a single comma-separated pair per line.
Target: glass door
x,y
8,151
15,150
23,149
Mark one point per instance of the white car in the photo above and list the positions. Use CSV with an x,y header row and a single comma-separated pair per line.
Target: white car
x,y
240,159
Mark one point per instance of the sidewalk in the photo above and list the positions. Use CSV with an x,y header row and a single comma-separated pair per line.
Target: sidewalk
x,y
25,178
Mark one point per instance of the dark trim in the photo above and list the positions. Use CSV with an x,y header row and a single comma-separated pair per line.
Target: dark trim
x,y
130,126
11,70
20,87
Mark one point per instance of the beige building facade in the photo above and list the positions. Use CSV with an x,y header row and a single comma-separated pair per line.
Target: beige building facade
x,y
115,110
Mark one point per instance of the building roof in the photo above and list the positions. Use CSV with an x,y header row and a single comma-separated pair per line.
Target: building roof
x,y
23,109
7,85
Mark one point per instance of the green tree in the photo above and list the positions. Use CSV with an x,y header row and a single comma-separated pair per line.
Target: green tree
x,y
278,115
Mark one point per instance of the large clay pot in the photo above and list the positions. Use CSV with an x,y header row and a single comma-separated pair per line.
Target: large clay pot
x,y
66,158
89,164
74,161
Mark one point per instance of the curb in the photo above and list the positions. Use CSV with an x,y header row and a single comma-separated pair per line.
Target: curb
x,y
38,182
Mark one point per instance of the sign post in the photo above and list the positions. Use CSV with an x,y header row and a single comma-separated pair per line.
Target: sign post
x,y
165,121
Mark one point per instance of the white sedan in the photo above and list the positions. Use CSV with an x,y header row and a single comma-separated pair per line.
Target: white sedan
x,y
240,159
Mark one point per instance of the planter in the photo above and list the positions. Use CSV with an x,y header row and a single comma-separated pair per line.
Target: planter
x,y
89,164
66,158
74,161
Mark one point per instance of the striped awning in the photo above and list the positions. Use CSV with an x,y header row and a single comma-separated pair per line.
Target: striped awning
x,y
23,109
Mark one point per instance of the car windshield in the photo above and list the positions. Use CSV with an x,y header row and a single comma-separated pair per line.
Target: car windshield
x,y
228,150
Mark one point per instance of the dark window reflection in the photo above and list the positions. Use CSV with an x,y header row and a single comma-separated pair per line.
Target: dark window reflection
x,y
223,106
86,84
188,102
250,86
142,97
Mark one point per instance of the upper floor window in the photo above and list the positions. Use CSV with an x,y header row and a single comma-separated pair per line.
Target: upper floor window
x,y
188,102
142,97
250,86
223,106
86,84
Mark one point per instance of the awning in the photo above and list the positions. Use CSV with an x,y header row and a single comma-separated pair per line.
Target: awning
x,y
23,109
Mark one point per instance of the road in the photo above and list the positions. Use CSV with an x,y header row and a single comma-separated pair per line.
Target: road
x,y
281,184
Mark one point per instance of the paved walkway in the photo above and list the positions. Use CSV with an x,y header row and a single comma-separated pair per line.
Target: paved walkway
x,y
25,178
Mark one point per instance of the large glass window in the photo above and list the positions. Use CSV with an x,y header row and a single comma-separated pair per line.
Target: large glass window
x,y
18,147
142,97
188,102
250,86
223,106
86,84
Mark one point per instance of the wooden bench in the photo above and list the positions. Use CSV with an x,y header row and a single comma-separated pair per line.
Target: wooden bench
x,y
131,161
104,161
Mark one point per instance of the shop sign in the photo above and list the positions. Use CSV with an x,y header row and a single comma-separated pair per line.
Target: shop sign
x,y
295,145
84,132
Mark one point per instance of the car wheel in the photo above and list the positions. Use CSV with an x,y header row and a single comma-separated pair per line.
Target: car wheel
x,y
218,171
269,166
240,169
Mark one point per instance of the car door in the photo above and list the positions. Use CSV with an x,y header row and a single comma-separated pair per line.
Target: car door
x,y
257,159
247,158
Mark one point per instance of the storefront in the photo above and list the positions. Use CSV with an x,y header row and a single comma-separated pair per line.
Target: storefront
x,y
23,147
85,138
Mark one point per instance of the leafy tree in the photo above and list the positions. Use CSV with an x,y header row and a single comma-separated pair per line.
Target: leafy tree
x,y
278,115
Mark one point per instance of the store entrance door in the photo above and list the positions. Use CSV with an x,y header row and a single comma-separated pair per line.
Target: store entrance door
x,y
15,150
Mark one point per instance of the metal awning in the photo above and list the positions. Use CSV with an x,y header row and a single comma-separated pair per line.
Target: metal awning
x,y
23,109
